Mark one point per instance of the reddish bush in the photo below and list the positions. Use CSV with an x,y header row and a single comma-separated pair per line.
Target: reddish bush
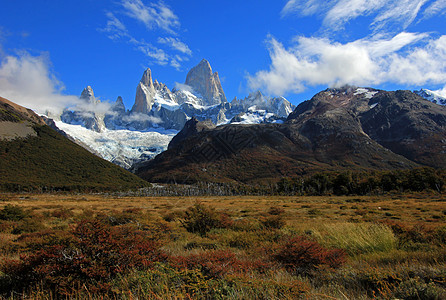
x,y
93,255
301,255
218,263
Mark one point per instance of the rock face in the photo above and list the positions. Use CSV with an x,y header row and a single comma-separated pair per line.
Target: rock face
x,y
192,127
145,94
156,106
85,113
87,95
338,129
206,83
408,125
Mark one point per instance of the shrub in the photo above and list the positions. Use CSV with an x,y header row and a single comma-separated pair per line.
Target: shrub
x,y
301,255
62,213
27,225
12,213
93,255
415,288
274,221
275,210
219,263
201,219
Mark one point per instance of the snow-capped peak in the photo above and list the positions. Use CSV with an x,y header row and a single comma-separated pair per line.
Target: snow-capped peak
x,y
438,97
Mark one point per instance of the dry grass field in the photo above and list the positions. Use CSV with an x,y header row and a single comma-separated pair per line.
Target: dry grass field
x,y
57,246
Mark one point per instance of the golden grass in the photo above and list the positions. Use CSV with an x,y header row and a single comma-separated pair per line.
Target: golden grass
x,y
410,209
359,225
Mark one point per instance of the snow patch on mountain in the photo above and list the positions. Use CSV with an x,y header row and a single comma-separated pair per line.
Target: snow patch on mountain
x,y
438,97
367,94
123,147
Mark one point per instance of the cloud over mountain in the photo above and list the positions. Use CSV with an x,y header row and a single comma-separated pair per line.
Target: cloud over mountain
x,y
386,54
30,82
407,58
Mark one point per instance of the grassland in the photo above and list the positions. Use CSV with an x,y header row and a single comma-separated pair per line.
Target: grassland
x,y
55,246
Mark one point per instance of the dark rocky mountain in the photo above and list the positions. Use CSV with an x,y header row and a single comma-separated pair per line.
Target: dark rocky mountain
x,y
34,156
338,129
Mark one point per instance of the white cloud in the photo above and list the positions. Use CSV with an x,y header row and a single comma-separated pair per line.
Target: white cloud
x,y
176,44
114,28
400,11
387,14
306,8
184,87
436,8
158,55
152,15
139,117
27,80
346,10
441,92
319,61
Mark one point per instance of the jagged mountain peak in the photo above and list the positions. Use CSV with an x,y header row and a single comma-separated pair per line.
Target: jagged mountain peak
x,y
88,95
201,79
119,100
146,79
145,94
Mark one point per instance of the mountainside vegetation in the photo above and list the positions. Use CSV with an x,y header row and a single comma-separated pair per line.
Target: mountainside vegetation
x,y
50,162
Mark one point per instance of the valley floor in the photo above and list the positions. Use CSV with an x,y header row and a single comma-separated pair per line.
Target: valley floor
x,y
91,246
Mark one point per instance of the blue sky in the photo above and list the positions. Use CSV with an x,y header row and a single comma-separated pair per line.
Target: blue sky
x,y
51,50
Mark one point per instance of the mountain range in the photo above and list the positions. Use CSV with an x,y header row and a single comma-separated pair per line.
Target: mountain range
x,y
126,137
341,129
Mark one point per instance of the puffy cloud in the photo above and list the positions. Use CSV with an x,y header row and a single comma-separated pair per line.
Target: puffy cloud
x,y
319,61
153,15
28,81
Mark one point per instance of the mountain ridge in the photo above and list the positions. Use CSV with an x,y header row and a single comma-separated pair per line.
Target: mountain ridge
x,y
44,160
332,131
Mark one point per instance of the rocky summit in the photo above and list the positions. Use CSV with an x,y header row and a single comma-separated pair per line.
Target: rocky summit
x,y
205,83
348,128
